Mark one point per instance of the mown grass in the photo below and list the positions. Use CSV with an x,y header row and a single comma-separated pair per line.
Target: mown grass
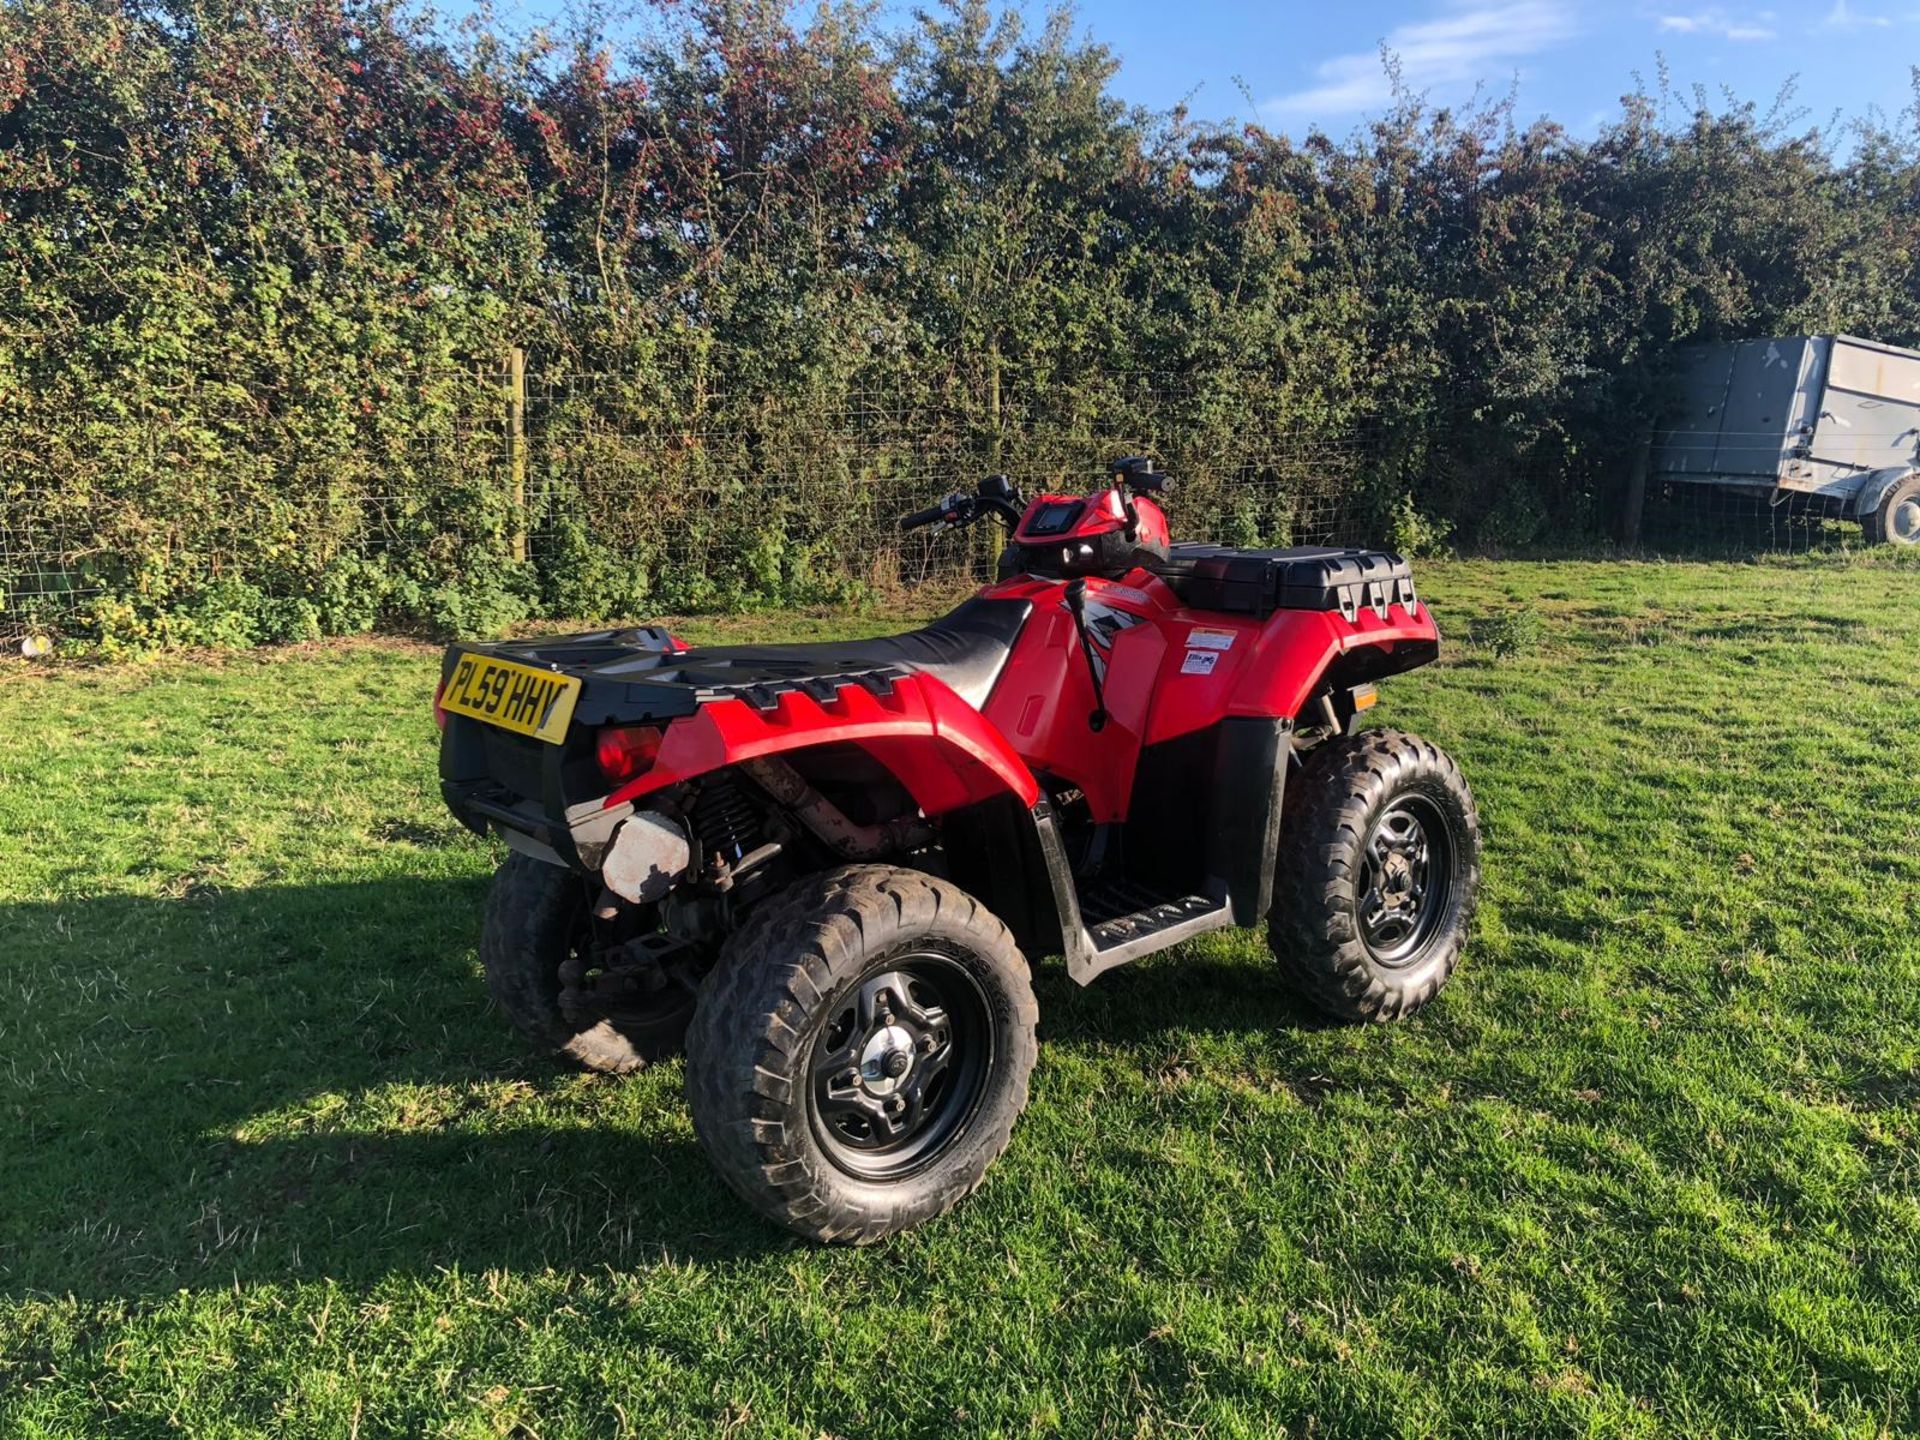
x,y
1650,1166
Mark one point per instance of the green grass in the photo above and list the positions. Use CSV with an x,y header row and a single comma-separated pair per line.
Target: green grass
x,y
1651,1165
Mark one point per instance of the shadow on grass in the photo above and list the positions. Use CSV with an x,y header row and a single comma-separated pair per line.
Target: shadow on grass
x,y
291,1083
1177,991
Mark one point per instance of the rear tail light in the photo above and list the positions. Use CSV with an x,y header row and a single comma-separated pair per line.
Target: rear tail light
x,y
627,750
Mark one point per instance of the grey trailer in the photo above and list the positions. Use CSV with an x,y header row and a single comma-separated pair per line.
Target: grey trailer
x,y
1813,415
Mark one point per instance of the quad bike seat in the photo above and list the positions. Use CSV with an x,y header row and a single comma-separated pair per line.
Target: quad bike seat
x,y
965,650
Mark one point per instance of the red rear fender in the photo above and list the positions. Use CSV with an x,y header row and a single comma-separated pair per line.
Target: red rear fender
x,y
942,750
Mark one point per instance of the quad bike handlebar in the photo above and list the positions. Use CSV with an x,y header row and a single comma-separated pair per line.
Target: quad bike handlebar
x,y
995,495
1137,474
948,510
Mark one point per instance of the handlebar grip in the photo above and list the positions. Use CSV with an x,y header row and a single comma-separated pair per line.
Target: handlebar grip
x,y
923,517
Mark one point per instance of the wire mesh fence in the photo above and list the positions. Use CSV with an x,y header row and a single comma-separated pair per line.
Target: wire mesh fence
x,y
201,483
813,490
474,494
1779,490
598,493
1714,521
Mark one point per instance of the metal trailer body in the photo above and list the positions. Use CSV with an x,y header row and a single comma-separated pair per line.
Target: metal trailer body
x,y
1824,415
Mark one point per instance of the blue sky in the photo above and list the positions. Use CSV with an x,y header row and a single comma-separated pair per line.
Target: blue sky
x,y
1294,64
1573,59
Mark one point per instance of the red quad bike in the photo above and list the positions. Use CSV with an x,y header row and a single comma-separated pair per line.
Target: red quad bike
x,y
824,868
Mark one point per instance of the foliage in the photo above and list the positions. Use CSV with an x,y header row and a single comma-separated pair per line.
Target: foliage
x,y
259,264
1510,632
1414,535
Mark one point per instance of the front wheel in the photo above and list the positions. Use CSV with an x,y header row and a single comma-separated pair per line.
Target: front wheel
x,y
861,1052
1378,870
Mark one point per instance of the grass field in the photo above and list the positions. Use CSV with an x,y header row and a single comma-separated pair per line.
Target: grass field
x,y
1650,1166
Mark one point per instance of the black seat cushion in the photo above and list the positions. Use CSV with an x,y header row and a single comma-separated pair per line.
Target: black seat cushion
x,y
965,650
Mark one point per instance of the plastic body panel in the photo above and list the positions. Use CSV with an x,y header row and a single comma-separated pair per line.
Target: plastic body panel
x,y
1171,670
634,675
1071,535
1259,582
1045,696
1167,670
1249,781
939,747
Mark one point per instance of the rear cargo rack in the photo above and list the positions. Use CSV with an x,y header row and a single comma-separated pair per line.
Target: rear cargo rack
x,y
1309,577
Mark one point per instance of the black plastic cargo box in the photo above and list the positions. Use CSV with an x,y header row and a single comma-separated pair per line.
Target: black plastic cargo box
x,y
1310,577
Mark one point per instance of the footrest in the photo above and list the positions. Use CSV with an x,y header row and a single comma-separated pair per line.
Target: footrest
x,y
1156,920
1124,922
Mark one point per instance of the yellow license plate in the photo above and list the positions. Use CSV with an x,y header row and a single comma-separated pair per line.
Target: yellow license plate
x,y
521,698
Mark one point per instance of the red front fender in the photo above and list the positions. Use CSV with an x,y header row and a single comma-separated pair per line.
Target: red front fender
x,y
1299,646
939,747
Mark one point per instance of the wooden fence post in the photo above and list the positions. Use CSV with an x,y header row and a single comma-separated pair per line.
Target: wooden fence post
x,y
993,536
1636,498
517,451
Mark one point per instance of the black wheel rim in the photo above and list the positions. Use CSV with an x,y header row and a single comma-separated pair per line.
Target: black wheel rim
x,y
1406,880
899,1064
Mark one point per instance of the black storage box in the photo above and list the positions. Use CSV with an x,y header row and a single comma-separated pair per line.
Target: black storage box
x,y
1308,577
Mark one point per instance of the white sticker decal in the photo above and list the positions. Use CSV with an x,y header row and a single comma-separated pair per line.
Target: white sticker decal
x,y
1199,662
1210,639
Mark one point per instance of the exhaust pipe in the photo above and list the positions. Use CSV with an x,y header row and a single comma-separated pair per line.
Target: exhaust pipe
x,y
827,821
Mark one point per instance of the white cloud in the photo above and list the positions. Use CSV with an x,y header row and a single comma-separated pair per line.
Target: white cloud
x,y
1456,48
1844,17
1717,23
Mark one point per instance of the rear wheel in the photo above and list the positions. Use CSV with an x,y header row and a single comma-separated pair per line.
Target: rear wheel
x,y
1378,871
547,976
1896,520
861,1052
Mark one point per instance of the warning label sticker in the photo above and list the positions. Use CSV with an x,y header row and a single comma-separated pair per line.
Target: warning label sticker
x,y
1199,662
1210,639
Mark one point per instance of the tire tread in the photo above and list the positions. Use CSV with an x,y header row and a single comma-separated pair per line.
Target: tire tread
x,y
1310,928
749,1033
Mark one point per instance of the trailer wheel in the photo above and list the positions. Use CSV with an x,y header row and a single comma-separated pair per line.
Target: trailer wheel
x,y
861,1052
1378,870
1896,520
537,924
